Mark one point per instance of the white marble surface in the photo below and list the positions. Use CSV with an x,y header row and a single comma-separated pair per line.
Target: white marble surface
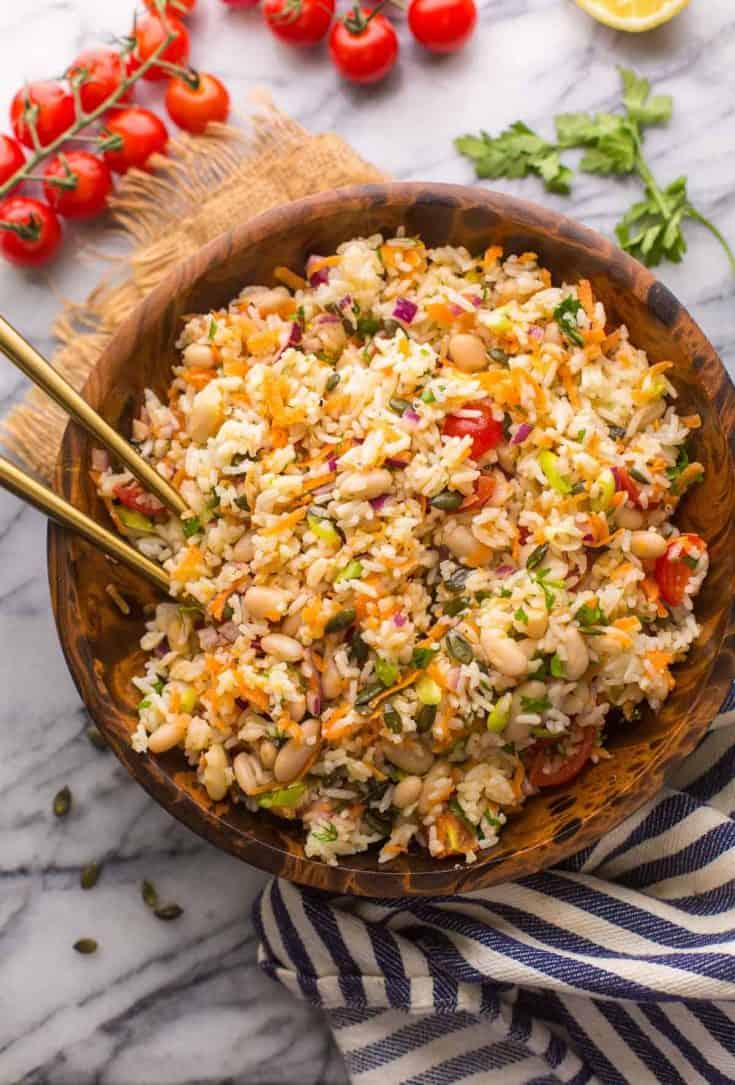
x,y
183,1003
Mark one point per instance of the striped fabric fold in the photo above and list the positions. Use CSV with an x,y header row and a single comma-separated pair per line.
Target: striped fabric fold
x,y
617,966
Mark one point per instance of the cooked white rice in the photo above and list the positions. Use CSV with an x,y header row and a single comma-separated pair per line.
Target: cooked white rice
x,y
394,625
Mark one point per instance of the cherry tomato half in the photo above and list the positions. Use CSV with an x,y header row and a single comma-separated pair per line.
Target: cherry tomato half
x,y
140,134
78,184
99,72
133,496
678,566
149,33
49,103
193,107
568,769
442,26
363,46
182,8
623,481
299,22
484,429
30,232
12,157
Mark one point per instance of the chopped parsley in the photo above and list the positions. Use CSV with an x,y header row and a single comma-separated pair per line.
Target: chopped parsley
x,y
565,316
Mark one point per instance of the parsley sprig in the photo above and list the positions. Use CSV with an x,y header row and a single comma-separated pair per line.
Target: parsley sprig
x,y
652,229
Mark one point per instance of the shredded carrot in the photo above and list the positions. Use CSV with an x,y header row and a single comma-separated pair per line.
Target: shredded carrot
x,y
289,278
392,690
198,378
659,660
190,564
627,625
692,421
440,313
322,262
262,342
254,695
330,730
528,258
611,342
285,523
310,484
569,386
586,297
174,700
492,255
236,368
622,570
660,367
519,775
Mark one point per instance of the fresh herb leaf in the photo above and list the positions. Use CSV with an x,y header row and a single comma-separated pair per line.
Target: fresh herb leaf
x,y
690,560
565,316
148,893
212,330
641,107
327,835
537,556
387,671
422,657
191,527
535,704
590,614
453,607
516,152
639,476
556,666
456,807
521,616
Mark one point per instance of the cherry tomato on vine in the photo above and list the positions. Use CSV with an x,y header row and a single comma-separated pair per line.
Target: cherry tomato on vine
x,y
11,157
192,102
100,72
299,22
182,8
77,184
363,46
485,430
442,25
568,769
47,103
149,33
139,133
30,232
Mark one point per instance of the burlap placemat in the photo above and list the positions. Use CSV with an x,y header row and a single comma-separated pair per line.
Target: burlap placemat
x,y
199,189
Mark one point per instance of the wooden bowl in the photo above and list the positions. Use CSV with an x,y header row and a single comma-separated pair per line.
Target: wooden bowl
x,y
101,644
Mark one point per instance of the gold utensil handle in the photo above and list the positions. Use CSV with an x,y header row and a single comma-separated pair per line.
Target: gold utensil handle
x,y
32,492
44,376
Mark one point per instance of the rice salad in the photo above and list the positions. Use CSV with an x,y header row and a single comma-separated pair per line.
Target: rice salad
x,y
429,548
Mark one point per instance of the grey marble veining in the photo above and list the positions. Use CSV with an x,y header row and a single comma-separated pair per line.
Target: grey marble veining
x,y
184,1003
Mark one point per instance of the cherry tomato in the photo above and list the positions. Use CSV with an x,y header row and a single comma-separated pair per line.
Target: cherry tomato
x,y
623,481
677,566
52,106
299,22
241,3
133,496
78,184
30,232
363,46
483,491
141,134
100,72
568,769
486,432
12,157
182,8
149,33
442,25
193,107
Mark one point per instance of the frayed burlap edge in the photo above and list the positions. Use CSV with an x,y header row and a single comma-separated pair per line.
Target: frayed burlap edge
x,y
200,188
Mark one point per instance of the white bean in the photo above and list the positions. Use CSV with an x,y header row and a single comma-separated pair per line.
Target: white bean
x,y
503,653
464,545
361,486
332,680
206,413
282,647
245,767
267,752
537,624
410,756
577,656
213,776
630,518
294,757
574,701
438,770
243,550
266,603
166,736
199,356
297,708
407,792
647,544
468,352
268,301
291,624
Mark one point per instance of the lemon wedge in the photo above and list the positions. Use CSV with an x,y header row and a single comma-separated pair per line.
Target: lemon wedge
x,y
633,15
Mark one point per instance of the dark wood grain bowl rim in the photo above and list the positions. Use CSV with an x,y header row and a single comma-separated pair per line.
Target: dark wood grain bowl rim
x,y
387,881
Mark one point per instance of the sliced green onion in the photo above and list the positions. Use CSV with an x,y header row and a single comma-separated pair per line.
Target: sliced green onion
x,y
323,528
428,691
427,396
556,666
282,796
548,462
351,571
136,521
605,492
499,714
387,671
188,699
536,557
422,656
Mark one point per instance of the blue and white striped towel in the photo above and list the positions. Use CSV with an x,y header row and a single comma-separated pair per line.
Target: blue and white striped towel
x,y
617,966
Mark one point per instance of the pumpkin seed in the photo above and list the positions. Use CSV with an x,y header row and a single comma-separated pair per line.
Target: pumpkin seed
x,y
97,739
85,945
392,719
367,693
149,894
89,875
453,607
168,911
425,718
447,500
62,802
498,355
399,405
458,647
332,382
377,823
343,619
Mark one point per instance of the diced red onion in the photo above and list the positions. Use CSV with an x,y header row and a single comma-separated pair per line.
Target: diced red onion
x,y
332,463
476,301
208,638
521,433
345,302
241,703
379,501
504,570
412,415
229,632
100,459
313,703
456,310
405,310
295,337
325,489
394,462
321,275
535,332
588,538
618,481
399,619
523,534
162,648
328,318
